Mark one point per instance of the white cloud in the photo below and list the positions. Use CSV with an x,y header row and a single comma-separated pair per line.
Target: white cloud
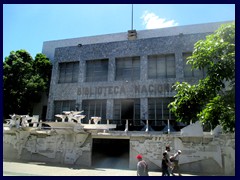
x,y
152,21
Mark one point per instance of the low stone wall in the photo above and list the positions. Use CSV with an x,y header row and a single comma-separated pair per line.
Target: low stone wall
x,y
203,154
58,148
206,154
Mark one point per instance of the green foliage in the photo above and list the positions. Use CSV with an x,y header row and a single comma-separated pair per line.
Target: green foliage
x,y
217,111
24,80
212,100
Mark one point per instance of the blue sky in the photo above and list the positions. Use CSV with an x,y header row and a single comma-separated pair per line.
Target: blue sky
x,y
27,26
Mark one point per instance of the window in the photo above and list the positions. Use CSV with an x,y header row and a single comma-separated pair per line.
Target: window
x,y
60,106
161,66
188,72
68,72
94,108
97,70
158,110
128,68
127,109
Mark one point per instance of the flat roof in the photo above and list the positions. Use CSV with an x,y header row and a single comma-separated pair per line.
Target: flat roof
x,y
49,46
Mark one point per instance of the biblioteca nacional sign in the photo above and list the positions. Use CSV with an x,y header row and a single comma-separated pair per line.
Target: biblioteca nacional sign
x,y
116,90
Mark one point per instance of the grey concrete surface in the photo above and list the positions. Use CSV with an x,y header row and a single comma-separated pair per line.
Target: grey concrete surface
x,y
43,169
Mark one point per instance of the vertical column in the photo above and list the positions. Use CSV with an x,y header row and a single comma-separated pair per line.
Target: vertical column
x,y
54,79
79,103
179,58
179,65
111,69
143,68
81,79
109,109
111,78
82,69
144,108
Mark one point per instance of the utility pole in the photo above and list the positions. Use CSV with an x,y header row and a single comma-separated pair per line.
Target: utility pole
x,y
132,16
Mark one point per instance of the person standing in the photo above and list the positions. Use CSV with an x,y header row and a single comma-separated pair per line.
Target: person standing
x,y
170,164
165,165
142,166
175,160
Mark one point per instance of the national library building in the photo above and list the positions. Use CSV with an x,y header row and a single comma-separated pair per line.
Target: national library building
x,y
123,76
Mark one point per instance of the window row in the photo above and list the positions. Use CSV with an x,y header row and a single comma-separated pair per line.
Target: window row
x,y
127,68
123,109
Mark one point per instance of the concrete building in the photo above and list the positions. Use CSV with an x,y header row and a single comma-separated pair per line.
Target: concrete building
x,y
119,77
123,76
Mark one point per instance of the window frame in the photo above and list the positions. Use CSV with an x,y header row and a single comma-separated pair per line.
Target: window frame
x,y
159,66
98,67
130,72
68,72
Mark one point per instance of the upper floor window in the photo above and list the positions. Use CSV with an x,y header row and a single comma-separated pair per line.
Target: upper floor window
x,y
161,66
68,72
97,70
128,68
188,71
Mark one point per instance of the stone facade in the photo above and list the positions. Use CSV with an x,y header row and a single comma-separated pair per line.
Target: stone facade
x,y
174,40
50,46
207,154
199,150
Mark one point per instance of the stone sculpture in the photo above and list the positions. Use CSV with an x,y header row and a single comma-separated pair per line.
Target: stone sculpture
x,y
72,116
96,119
18,121
79,117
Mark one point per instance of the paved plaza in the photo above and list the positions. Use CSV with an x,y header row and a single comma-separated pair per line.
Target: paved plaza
x,y
43,169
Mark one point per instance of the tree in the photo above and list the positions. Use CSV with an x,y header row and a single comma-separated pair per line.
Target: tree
x,y
212,100
24,79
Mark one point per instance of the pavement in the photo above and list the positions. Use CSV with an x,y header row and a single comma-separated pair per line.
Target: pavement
x,y
47,169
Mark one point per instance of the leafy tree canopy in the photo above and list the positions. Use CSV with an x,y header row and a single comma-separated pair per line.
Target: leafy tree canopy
x,y
24,79
212,100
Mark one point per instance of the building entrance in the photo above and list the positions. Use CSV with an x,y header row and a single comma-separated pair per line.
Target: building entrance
x,y
110,153
127,110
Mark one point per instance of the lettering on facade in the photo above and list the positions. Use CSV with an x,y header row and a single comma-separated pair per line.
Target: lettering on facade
x,y
121,90
102,90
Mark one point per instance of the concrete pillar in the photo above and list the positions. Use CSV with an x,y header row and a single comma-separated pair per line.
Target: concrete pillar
x,y
143,68
82,67
144,108
109,113
54,79
111,69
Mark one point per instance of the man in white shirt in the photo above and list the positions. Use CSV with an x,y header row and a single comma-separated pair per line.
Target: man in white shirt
x,y
175,160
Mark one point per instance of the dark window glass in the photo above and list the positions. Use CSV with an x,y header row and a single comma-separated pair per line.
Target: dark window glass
x,y
158,110
161,66
128,68
96,70
127,109
95,108
68,72
67,105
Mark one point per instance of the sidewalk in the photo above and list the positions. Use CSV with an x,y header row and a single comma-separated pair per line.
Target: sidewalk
x,y
44,169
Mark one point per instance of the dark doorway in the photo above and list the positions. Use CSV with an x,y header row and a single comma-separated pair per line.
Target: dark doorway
x,y
127,109
44,112
127,112
110,153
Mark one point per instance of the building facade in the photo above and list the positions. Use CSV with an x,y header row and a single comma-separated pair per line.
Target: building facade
x,y
119,77
123,76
